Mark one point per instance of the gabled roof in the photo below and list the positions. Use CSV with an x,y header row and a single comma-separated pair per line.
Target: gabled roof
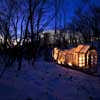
x,y
85,49
80,49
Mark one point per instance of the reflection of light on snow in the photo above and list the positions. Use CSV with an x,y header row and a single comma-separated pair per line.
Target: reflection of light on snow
x,y
59,62
70,64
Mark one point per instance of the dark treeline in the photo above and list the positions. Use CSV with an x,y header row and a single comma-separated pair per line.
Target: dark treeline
x,y
21,21
86,20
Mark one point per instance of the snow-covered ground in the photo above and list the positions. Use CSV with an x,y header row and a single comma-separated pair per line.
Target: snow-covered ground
x,y
47,81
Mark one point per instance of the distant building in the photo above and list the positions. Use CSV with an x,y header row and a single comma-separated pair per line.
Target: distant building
x,y
61,36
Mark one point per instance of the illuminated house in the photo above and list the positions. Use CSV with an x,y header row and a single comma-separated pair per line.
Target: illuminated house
x,y
83,56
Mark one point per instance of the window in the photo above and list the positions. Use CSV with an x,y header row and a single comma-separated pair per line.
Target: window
x,y
81,60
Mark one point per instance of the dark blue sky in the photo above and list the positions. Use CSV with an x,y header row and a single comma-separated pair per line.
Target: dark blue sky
x,y
70,6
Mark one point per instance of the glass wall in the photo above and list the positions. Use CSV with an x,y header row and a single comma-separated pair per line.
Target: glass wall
x,y
81,60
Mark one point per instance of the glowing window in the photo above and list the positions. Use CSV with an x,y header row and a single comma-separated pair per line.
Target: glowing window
x,y
82,60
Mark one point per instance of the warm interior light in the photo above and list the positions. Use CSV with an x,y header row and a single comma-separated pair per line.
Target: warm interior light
x,y
82,60
70,64
55,55
80,56
59,62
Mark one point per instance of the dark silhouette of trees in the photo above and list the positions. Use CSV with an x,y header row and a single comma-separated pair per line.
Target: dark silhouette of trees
x,y
20,25
84,19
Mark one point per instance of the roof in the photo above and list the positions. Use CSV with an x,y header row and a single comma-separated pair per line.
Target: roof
x,y
85,49
82,48
78,48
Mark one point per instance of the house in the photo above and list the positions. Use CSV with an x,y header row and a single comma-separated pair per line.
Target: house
x,y
82,56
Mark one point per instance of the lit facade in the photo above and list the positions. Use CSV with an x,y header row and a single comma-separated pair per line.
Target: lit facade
x,y
83,56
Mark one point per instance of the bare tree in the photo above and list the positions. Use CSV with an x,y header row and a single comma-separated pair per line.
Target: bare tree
x,y
83,21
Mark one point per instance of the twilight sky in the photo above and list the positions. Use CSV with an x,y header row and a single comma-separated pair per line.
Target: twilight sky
x,y
70,6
